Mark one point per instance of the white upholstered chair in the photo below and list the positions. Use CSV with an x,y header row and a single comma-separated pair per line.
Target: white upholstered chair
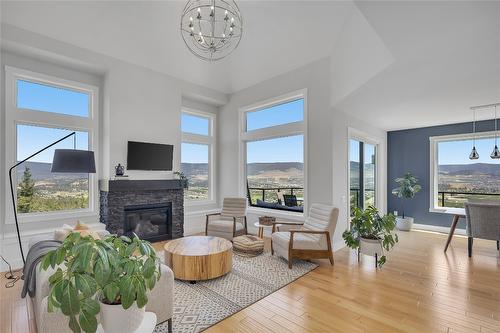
x,y
229,223
312,240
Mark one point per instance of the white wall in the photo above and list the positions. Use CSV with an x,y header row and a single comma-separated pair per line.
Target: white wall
x,y
136,104
327,140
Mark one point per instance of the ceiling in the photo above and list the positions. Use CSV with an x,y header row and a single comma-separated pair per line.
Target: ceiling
x,y
278,36
418,63
446,59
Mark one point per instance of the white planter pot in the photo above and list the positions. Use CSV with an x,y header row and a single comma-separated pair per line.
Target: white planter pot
x,y
404,223
115,319
370,247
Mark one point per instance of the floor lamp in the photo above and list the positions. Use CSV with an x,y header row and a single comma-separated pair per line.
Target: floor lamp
x,y
65,160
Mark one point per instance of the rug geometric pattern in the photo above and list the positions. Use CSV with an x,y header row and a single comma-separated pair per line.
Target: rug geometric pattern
x,y
201,305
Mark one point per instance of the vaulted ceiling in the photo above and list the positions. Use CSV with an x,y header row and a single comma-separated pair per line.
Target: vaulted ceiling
x,y
395,64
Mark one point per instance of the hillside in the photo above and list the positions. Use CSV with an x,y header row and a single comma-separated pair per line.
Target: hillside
x,y
471,169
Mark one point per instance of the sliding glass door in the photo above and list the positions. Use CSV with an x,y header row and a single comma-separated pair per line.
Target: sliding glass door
x,y
362,174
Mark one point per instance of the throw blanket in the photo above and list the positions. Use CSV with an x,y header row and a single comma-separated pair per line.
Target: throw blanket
x,y
35,255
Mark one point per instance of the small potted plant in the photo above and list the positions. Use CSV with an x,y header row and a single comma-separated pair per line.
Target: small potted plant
x,y
110,277
408,187
371,233
183,179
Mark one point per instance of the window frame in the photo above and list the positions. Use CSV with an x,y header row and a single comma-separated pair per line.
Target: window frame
x,y
210,141
433,175
272,132
19,116
355,134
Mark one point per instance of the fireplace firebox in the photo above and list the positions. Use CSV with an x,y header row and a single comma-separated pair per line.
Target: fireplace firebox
x,y
152,222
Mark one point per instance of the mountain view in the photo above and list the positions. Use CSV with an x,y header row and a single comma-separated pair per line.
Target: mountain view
x,y
459,182
271,176
39,190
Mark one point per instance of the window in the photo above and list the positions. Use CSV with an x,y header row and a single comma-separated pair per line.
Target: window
x,y
40,110
455,178
273,145
362,174
196,155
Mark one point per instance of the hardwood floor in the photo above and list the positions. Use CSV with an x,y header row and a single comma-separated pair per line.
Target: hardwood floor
x,y
420,289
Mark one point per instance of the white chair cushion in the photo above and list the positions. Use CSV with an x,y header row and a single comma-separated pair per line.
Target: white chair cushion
x,y
224,226
301,241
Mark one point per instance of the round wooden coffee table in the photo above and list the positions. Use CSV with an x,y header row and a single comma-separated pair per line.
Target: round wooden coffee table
x,y
198,258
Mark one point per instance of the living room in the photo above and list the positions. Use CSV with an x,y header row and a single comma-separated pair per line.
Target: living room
x,y
245,148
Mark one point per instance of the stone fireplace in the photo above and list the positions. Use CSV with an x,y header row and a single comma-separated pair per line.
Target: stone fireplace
x,y
152,209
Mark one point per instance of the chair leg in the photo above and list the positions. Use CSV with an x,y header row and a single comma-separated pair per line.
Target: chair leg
x,y
272,249
331,258
470,240
290,263
169,325
498,245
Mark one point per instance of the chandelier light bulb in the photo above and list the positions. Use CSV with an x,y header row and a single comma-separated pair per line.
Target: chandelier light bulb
x,y
216,36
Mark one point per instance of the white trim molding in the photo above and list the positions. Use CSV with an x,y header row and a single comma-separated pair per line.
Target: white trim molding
x,y
272,132
433,167
208,140
17,116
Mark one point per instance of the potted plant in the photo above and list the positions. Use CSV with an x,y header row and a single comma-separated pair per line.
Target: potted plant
x,y
371,233
182,178
109,276
408,187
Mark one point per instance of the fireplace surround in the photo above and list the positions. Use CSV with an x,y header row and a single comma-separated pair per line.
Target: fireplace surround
x,y
152,209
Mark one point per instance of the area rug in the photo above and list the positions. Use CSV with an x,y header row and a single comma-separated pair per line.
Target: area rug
x,y
201,305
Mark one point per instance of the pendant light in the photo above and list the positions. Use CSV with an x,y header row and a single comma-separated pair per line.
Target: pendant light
x,y
474,154
495,154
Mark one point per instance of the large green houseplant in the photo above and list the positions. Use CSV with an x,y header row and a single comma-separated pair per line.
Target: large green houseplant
x,y
371,233
407,188
92,273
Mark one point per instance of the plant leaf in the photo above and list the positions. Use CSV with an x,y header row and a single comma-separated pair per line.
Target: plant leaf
x,y
88,322
70,304
73,324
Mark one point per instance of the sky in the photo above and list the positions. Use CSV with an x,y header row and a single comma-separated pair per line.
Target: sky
x,y
277,115
45,98
457,152
41,97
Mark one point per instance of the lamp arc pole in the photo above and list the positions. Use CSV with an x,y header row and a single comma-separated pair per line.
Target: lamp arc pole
x,y
12,187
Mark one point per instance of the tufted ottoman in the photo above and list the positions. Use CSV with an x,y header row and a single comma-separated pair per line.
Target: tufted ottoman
x,y
248,245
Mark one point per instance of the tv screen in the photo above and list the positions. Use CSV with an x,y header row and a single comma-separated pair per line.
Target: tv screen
x,y
149,156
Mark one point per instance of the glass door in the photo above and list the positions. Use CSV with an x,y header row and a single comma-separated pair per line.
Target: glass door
x,y
362,174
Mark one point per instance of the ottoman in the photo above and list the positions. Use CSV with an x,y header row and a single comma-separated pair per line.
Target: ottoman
x,y
248,245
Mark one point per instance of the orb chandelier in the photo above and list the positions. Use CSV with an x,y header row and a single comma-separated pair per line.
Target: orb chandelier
x,y
211,29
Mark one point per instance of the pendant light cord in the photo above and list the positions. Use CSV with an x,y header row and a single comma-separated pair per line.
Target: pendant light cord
x,y
496,126
474,128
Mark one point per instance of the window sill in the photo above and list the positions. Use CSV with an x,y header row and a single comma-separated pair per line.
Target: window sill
x,y
449,211
62,215
275,212
190,203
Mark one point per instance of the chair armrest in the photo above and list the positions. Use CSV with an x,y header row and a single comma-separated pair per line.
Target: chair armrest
x,y
213,214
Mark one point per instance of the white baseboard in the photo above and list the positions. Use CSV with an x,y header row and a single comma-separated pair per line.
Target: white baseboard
x,y
434,228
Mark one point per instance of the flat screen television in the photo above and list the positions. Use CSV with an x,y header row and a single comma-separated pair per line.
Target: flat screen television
x,y
149,156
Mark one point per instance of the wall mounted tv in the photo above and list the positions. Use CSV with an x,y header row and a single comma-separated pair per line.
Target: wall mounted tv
x,y
149,156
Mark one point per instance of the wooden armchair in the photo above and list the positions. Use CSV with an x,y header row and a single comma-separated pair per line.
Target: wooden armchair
x,y
230,222
312,240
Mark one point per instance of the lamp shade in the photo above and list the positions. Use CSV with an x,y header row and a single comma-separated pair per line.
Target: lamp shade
x,y
73,160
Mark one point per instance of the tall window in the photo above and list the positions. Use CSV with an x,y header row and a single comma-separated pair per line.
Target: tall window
x,y
362,174
41,110
197,155
273,144
456,178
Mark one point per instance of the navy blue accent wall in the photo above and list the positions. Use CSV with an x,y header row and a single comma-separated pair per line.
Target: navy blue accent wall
x,y
409,151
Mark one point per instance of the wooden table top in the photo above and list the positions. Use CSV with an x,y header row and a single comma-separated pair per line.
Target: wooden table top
x,y
198,246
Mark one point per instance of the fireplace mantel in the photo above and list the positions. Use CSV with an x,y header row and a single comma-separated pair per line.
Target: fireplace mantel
x,y
140,185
